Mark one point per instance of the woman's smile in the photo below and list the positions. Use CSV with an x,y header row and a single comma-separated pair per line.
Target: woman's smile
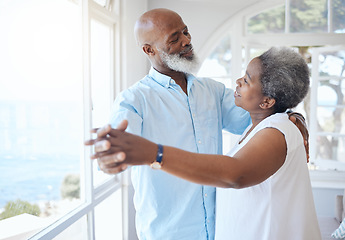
x,y
237,94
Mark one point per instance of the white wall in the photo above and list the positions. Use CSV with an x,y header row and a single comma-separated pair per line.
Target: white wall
x,y
135,63
324,199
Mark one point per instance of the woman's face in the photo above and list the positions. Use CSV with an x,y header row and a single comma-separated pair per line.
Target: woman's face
x,y
248,94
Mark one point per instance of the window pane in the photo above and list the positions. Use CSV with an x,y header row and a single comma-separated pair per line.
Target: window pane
x,y
41,91
338,16
77,231
331,93
331,148
332,64
101,2
255,52
308,16
101,63
217,64
108,217
330,111
271,21
331,119
101,78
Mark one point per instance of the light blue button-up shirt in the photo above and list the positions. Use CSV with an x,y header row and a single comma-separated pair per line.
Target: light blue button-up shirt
x,y
156,108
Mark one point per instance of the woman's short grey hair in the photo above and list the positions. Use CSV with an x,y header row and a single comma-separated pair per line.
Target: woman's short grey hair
x,y
285,77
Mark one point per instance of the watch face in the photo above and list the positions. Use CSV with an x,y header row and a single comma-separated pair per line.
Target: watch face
x,y
156,165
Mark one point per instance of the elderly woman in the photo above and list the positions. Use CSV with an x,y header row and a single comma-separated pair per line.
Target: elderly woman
x,y
264,189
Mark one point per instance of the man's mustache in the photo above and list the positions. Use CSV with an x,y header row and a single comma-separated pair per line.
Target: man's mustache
x,y
189,48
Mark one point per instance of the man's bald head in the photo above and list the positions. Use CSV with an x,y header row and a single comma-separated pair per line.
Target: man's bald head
x,y
165,39
151,24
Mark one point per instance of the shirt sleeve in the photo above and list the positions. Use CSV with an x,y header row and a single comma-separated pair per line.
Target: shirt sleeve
x,y
127,107
234,119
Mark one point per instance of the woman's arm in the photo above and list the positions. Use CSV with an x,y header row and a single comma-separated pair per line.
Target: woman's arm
x,y
261,157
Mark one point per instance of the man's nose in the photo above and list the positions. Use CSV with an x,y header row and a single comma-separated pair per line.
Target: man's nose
x,y
186,40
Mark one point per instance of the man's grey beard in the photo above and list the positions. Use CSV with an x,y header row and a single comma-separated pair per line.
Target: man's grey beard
x,y
180,64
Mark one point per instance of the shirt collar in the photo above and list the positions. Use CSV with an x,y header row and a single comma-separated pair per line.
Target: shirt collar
x,y
165,80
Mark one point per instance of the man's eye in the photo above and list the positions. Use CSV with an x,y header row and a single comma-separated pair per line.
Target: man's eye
x,y
245,80
174,41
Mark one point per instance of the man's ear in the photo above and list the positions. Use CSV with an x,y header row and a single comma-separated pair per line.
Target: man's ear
x,y
148,50
268,103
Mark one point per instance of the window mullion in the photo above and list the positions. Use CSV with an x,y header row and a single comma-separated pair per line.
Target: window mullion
x,y
287,16
313,103
87,174
330,16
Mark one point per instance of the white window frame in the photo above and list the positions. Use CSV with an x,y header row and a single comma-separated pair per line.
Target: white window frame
x,y
236,26
324,179
93,195
329,178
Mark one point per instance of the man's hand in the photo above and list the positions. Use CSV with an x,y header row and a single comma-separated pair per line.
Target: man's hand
x,y
108,161
299,121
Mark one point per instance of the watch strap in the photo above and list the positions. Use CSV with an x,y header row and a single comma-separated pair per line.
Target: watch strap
x,y
157,164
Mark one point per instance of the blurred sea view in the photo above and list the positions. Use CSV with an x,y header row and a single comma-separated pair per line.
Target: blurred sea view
x,y
34,179
40,143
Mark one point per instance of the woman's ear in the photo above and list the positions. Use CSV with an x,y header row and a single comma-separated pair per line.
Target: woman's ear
x,y
268,103
148,50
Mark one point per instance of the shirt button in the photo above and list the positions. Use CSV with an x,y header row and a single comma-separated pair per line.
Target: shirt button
x,y
193,115
199,142
205,194
171,81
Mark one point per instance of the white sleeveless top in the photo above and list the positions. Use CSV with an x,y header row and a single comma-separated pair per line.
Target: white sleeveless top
x,y
281,207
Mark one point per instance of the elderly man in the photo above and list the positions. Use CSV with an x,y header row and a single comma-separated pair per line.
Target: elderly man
x,y
173,107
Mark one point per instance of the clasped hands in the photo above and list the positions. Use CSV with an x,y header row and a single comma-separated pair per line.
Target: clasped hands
x,y
116,149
